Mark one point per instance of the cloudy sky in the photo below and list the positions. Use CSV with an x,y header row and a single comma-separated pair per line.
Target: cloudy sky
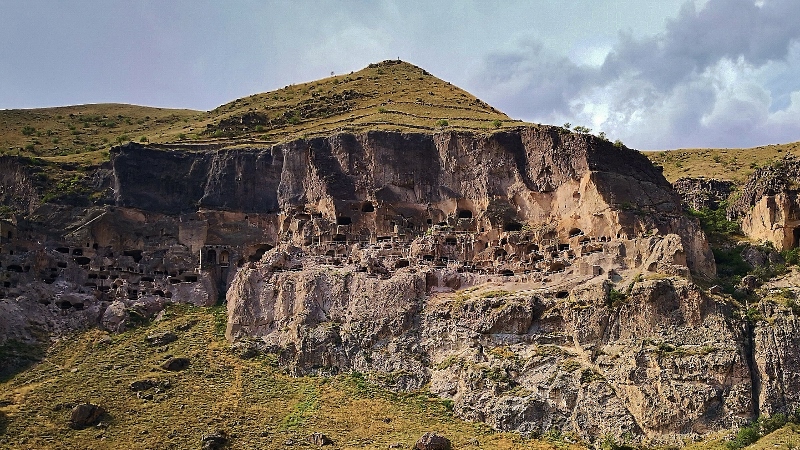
x,y
656,74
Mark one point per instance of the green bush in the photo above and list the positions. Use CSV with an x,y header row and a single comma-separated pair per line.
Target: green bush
x,y
497,123
792,257
745,436
616,298
28,130
442,123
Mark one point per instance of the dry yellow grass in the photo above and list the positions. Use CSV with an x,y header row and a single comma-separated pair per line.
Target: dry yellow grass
x,y
734,164
251,400
386,96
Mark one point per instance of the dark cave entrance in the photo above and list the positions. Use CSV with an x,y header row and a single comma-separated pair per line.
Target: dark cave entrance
x,y
796,237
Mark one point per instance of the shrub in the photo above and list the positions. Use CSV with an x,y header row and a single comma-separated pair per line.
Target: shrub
x,y
581,129
497,123
618,144
792,257
28,130
144,139
442,123
745,436
616,298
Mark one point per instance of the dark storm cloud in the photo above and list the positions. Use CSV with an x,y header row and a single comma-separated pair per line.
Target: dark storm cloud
x,y
709,79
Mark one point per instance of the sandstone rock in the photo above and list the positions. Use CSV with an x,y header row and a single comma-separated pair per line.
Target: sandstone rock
x,y
432,441
85,415
703,193
175,364
749,283
115,317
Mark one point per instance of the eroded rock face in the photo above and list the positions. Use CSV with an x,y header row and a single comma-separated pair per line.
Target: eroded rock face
x,y
769,205
665,363
488,266
703,193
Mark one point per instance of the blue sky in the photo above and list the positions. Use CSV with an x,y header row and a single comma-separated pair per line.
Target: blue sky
x,y
656,74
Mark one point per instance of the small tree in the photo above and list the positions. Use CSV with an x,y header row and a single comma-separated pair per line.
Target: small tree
x,y
582,129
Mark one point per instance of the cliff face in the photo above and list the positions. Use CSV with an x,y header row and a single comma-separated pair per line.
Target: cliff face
x,y
769,205
379,183
663,363
539,279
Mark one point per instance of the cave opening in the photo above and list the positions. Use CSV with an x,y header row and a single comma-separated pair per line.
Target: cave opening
x,y
796,237
465,214
367,207
135,254
343,220
512,226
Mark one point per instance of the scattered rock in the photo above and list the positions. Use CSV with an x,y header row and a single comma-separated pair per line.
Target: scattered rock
x,y
749,283
214,441
432,441
244,349
175,364
85,415
163,338
319,439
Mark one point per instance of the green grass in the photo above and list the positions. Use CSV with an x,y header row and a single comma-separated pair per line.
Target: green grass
x,y
251,400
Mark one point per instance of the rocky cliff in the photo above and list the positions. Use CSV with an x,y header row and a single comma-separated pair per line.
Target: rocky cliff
x,y
540,279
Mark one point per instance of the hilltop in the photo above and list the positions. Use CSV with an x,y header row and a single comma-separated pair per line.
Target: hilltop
x,y
391,95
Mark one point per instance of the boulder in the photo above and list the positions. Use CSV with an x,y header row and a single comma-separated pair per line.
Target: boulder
x,y
214,441
432,441
175,364
319,439
85,415
115,317
163,338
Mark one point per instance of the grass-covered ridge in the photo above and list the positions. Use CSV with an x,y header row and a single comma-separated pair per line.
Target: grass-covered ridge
x,y
391,95
734,164
251,400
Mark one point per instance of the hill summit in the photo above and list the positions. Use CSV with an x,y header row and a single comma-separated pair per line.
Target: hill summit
x,y
390,95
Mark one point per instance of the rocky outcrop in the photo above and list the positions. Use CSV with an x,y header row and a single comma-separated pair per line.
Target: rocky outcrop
x,y
769,204
703,193
509,272
660,363
387,184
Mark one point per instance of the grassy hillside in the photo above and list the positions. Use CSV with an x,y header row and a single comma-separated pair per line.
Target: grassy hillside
x,y
69,130
391,95
250,400
735,164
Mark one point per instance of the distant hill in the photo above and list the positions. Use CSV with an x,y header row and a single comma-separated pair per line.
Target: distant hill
x,y
734,164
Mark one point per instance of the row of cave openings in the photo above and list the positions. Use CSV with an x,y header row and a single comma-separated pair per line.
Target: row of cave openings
x,y
465,214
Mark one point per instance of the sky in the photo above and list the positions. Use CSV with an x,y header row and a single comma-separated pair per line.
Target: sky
x,y
656,74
